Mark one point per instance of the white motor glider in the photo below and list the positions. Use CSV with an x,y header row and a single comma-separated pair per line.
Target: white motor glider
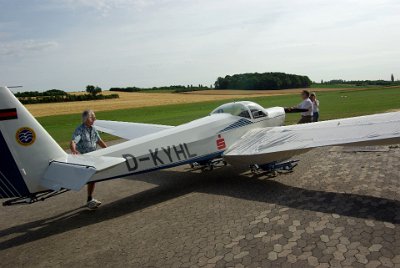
x,y
34,167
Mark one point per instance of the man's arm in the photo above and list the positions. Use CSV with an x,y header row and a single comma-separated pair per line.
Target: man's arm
x,y
76,137
296,109
72,146
298,106
101,143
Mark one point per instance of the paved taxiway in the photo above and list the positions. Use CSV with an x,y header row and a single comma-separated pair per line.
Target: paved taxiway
x,y
338,208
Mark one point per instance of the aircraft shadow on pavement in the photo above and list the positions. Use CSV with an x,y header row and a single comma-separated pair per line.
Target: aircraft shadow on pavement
x,y
173,184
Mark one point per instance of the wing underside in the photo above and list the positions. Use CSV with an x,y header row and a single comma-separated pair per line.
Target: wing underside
x,y
265,145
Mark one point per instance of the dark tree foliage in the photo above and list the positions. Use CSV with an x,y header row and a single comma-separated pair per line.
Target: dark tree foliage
x,y
364,82
94,90
259,81
174,88
56,95
51,92
126,89
66,98
392,78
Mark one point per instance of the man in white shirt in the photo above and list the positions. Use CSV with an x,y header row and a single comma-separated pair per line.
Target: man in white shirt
x,y
306,104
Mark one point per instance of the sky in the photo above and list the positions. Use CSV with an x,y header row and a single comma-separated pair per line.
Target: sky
x,y
68,44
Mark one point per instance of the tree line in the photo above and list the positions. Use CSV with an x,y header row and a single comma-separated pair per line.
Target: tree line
x,y
173,88
259,81
363,82
56,95
51,92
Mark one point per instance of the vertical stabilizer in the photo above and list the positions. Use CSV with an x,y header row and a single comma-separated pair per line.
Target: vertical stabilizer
x,y
25,148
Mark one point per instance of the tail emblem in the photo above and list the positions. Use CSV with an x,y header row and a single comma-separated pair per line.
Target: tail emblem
x,y
25,136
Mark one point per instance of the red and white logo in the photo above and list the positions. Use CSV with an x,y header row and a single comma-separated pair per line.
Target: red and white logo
x,y
221,143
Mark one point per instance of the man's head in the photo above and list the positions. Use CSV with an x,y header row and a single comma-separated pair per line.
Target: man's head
x,y
305,94
313,96
88,117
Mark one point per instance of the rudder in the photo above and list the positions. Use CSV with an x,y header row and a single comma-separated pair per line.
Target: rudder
x,y
11,182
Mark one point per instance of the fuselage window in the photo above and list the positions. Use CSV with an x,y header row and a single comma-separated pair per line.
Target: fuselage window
x,y
257,114
245,114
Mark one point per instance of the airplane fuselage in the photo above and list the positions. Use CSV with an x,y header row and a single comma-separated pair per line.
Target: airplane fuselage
x,y
199,140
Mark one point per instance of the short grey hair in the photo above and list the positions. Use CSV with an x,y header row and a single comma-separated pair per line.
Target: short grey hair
x,y
313,94
86,114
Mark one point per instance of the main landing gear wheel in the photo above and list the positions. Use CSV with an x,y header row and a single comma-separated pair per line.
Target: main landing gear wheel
x,y
273,169
208,165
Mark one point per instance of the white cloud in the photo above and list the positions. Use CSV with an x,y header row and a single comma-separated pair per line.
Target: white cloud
x,y
161,42
22,48
105,7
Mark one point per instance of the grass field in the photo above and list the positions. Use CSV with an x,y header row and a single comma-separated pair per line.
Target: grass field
x,y
334,104
143,99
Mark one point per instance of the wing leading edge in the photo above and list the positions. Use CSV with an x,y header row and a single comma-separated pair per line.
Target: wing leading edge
x,y
265,145
127,130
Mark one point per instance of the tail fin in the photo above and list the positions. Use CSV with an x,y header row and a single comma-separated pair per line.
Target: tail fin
x,y
25,149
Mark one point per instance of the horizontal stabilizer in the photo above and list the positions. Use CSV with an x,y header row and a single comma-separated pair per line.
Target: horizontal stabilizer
x,y
127,130
75,171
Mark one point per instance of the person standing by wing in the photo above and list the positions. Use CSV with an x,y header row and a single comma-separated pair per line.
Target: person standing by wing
x,y
85,140
306,107
315,102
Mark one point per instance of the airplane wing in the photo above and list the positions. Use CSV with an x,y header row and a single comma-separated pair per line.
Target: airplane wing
x,y
127,130
260,146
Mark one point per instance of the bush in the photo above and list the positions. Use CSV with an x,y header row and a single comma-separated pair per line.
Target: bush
x,y
51,92
65,98
126,89
173,88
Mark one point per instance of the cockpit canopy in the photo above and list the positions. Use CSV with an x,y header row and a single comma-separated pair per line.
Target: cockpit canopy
x,y
246,109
